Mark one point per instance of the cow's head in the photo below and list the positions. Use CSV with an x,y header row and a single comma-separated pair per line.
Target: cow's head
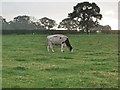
x,y
71,48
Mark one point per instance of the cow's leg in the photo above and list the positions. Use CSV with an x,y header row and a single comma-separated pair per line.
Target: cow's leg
x,y
52,49
50,46
62,47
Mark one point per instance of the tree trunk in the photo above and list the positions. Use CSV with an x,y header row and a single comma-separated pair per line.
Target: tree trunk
x,y
87,30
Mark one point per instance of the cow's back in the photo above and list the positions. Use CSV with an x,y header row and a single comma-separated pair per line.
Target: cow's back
x,y
57,38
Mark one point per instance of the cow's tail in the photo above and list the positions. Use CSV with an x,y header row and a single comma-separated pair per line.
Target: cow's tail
x,y
68,44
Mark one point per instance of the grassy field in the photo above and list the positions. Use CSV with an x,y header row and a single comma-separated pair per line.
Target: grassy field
x,y
92,64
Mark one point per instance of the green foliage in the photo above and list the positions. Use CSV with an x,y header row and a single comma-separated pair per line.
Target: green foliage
x,y
92,64
69,24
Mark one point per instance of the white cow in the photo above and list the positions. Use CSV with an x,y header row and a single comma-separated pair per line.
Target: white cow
x,y
58,39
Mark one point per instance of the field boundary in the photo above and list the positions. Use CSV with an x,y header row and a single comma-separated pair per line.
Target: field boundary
x,y
55,32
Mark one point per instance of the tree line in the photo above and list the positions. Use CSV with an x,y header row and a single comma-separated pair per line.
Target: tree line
x,y
85,17
27,23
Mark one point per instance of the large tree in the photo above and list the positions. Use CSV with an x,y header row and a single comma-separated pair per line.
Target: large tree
x,y
48,23
87,14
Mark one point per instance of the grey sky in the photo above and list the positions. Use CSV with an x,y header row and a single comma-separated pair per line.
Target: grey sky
x,y
54,10
57,10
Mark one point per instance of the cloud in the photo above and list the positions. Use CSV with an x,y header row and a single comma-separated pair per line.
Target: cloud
x,y
109,13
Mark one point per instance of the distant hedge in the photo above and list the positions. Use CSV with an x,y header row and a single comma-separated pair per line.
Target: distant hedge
x,y
40,32
55,32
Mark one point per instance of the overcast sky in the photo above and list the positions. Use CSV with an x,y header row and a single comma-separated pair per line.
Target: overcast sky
x,y
58,10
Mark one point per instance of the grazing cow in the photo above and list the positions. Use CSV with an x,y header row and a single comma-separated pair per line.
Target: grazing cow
x,y
58,39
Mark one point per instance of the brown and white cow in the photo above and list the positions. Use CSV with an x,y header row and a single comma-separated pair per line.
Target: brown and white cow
x,y
58,39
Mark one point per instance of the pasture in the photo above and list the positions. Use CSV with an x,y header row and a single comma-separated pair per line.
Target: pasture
x,y
92,64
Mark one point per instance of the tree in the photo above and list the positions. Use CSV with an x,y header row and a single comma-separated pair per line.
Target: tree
x,y
47,23
5,25
2,20
22,19
21,22
87,14
25,22
100,28
69,24
107,27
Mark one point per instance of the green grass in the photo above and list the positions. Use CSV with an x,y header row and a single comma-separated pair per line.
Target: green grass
x,y
92,64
